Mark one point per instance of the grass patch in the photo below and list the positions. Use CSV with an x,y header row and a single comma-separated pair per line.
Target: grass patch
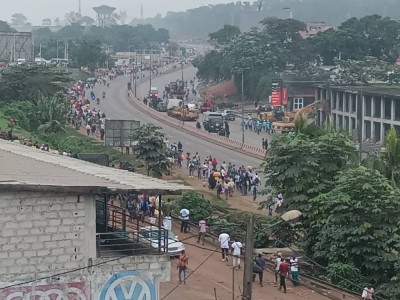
x,y
71,141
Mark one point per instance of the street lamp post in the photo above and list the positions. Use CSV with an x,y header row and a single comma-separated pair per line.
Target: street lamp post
x,y
242,110
151,66
248,264
135,70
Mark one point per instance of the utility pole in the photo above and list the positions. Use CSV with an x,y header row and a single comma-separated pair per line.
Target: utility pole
x,y
135,70
182,69
248,261
141,65
57,51
242,110
151,67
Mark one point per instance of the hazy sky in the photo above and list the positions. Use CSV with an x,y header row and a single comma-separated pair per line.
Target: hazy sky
x,y
37,10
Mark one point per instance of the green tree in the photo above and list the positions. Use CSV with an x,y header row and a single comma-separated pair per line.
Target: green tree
x,y
152,150
18,19
356,223
88,53
388,161
32,82
43,115
199,207
4,27
303,166
224,35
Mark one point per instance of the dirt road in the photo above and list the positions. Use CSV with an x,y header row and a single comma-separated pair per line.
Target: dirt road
x,y
215,274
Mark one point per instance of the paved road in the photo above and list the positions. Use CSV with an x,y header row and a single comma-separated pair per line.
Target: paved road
x,y
117,105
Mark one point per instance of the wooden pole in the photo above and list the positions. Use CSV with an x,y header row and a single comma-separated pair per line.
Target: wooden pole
x,y
248,261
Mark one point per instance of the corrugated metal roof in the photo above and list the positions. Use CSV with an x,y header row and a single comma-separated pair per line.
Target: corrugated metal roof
x,y
27,165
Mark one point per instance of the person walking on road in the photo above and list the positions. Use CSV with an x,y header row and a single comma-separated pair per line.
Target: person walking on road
x,y
202,231
183,263
283,273
236,252
294,269
224,240
185,219
368,293
277,264
259,268
167,222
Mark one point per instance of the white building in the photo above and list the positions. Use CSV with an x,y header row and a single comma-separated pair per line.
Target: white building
x,y
58,230
365,112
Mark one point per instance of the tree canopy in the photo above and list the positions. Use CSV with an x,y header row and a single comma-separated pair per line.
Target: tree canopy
x,y
152,150
199,22
32,82
364,50
349,212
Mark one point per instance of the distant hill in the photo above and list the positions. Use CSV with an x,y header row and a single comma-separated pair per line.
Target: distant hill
x,y
198,22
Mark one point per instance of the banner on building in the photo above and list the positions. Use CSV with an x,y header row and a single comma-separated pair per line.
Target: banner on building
x,y
284,96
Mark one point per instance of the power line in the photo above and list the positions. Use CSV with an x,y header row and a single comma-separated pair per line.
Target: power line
x,y
324,268
81,268
190,274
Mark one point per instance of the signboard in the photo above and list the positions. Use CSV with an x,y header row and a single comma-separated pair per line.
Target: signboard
x,y
276,94
276,98
284,96
118,133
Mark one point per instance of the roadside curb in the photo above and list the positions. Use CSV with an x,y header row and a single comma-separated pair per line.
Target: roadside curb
x,y
223,141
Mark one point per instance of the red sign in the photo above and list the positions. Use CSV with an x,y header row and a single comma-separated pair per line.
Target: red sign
x,y
276,98
284,96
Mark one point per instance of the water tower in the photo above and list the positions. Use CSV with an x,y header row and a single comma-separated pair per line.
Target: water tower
x,y
104,14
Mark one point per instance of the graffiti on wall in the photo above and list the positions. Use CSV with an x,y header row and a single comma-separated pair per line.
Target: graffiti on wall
x,y
128,285
68,291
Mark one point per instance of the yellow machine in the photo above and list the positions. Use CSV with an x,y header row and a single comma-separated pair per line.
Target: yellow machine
x,y
289,119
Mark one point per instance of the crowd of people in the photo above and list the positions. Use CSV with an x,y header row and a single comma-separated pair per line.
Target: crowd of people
x,y
224,178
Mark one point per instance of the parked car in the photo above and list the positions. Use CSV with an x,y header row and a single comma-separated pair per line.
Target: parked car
x,y
150,235
229,115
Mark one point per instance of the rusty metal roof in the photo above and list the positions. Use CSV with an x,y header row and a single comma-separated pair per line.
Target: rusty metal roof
x,y
23,165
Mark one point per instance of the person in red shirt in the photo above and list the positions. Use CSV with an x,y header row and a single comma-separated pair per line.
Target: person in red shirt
x,y
214,163
283,273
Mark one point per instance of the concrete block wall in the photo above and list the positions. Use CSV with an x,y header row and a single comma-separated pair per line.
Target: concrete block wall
x,y
43,233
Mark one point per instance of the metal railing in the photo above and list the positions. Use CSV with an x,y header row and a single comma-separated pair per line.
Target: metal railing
x,y
130,235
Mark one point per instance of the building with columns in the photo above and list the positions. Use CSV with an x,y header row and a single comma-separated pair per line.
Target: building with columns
x,y
364,112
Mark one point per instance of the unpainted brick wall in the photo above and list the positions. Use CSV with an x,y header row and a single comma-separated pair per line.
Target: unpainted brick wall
x,y
40,233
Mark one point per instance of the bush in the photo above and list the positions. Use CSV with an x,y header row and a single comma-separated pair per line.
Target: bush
x,y
199,207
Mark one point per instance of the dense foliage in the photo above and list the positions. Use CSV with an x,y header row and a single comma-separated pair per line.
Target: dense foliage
x,y
44,115
32,82
199,207
87,44
198,22
152,150
350,222
364,50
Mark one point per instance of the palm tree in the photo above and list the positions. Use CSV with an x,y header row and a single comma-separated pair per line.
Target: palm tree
x,y
388,161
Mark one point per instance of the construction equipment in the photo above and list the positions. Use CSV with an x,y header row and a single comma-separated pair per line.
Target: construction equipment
x,y
288,122
177,89
183,113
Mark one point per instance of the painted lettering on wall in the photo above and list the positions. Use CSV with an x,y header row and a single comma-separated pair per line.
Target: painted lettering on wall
x,y
67,291
128,285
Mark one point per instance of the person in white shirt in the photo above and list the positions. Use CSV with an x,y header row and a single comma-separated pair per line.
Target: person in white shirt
x,y
224,240
368,293
185,219
167,222
236,252
277,264
294,269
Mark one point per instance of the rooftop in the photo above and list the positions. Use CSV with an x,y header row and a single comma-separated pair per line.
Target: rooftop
x,y
30,168
381,90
